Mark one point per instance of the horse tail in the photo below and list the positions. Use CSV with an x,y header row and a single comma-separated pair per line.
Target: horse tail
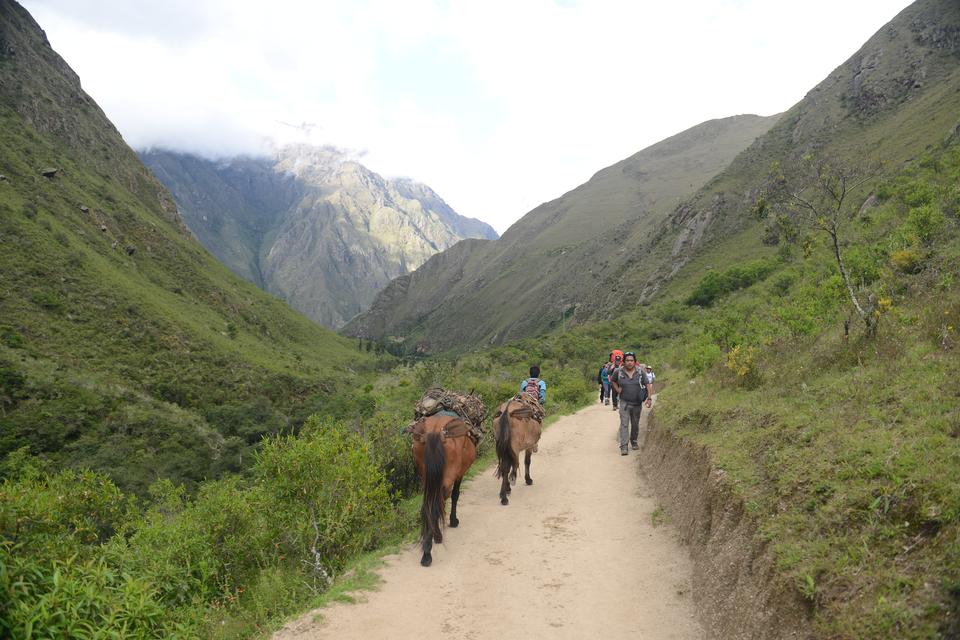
x,y
434,502
505,455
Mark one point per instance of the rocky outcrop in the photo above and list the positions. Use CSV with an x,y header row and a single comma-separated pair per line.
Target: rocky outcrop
x,y
311,224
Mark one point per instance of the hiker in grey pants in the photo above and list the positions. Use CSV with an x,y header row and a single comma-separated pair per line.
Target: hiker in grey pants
x,y
634,388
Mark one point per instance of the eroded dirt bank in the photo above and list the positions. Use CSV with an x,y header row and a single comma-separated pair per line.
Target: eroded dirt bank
x,y
736,590
577,555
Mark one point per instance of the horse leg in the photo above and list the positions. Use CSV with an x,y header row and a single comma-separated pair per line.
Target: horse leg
x,y
427,558
526,465
505,489
454,521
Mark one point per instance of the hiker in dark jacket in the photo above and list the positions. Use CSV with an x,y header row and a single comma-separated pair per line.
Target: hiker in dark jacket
x,y
634,388
603,378
613,374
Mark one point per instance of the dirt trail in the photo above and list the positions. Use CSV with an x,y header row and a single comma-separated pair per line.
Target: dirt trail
x,y
575,555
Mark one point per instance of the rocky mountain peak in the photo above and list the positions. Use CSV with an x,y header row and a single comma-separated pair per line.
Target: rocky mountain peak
x,y
312,224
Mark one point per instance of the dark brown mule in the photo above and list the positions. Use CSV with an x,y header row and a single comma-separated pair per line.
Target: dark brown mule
x,y
443,452
516,431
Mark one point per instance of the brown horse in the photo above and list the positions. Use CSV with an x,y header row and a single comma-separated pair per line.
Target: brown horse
x,y
443,451
517,431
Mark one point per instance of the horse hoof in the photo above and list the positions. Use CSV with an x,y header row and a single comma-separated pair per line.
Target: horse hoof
x,y
454,522
426,560
504,500
438,539
529,481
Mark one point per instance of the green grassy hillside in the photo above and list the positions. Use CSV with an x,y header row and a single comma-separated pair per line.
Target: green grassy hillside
x,y
845,451
548,262
125,346
894,98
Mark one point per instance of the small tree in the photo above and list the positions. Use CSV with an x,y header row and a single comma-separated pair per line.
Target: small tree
x,y
817,193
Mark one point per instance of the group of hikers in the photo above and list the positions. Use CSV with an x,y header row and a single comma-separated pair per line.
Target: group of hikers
x,y
629,385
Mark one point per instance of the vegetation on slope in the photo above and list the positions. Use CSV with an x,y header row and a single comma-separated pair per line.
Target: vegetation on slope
x,y
844,449
80,558
124,346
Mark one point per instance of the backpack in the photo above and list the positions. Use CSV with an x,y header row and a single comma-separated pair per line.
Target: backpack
x,y
533,387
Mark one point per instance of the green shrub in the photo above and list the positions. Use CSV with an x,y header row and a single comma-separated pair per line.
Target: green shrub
x,y
200,550
782,283
917,193
48,511
908,260
717,284
926,222
47,300
327,491
864,263
10,337
74,598
700,355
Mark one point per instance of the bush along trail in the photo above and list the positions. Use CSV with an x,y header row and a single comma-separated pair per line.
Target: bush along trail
x,y
233,556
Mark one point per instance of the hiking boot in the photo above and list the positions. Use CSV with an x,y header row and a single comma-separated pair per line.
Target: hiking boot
x,y
634,446
607,401
623,451
614,407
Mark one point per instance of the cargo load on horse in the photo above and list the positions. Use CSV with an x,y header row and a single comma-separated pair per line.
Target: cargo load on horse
x,y
531,409
467,407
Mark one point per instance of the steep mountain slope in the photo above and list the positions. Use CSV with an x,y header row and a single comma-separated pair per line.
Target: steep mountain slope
x,y
892,99
895,97
311,225
124,345
545,263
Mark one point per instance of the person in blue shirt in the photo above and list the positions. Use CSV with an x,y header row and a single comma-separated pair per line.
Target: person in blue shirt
x,y
535,386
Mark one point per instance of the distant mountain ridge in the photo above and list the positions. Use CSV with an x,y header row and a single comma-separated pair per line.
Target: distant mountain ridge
x,y
549,262
310,224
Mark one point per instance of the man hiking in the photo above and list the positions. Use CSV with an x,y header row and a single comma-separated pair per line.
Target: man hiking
x,y
634,388
603,378
651,376
534,386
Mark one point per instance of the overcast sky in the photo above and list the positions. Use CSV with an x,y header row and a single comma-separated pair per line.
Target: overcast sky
x,y
497,105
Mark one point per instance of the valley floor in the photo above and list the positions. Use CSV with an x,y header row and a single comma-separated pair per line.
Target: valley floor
x,y
579,554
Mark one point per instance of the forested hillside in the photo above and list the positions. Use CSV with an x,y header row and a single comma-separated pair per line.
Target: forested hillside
x,y
124,345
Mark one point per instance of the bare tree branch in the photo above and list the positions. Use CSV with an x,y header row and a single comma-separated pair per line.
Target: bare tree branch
x,y
816,193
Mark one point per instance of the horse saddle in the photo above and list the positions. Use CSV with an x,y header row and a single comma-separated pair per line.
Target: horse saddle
x,y
456,427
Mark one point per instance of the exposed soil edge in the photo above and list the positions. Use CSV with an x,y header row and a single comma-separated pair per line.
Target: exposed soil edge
x,y
736,586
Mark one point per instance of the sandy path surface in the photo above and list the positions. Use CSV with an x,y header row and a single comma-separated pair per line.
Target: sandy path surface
x,y
575,555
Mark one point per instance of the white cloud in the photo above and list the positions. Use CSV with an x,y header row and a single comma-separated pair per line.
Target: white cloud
x,y
498,105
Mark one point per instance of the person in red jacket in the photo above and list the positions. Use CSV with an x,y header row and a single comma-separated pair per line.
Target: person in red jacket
x,y
616,358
